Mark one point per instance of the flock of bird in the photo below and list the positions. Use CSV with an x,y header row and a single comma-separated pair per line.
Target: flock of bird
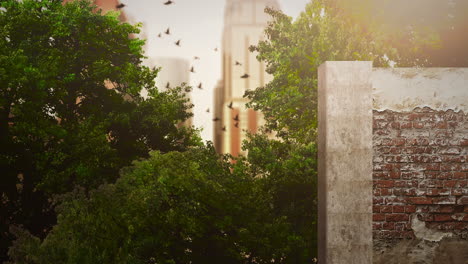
x,y
192,69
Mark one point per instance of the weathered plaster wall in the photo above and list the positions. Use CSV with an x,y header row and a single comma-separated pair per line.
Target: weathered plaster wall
x,y
404,89
420,165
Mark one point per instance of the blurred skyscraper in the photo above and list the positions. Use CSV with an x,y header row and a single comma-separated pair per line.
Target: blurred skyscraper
x,y
174,72
244,23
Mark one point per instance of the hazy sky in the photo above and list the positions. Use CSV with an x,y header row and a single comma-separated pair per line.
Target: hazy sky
x,y
199,24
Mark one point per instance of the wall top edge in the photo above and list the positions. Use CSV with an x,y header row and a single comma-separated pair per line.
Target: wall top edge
x,y
404,89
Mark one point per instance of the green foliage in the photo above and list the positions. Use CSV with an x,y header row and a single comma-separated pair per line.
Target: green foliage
x,y
60,123
293,52
178,207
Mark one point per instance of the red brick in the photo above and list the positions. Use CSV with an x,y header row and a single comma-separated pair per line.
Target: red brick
x,y
378,217
376,208
445,209
444,200
376,192
386,209
442,217
395,174
398,141
376,226
463,200
396,217
384,183
464,142
398,209
459,175
418,125
420,200
385,191
458,192
450,183
433,167
465,209
410,209
388,226
400,184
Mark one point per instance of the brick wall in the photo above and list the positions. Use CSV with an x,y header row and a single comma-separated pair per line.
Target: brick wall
x,y
420,169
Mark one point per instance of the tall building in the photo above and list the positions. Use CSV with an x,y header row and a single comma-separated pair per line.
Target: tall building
x,y
244,24
174,72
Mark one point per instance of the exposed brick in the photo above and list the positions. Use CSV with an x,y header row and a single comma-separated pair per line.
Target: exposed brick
x,y
396,217
420,200
410,209
376,208
463,200
378,217
444,200
459,175
384,183
386,209
388,226
398,209
442,217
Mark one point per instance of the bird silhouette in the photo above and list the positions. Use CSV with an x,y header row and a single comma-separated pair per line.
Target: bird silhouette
x,y
168,85
168,2
199,86
192,69
216,119
224,128
236,124
216,49
230,105
236,118
245,76
168,32
208,110
238,63
159,35
196,58
178,43
120,6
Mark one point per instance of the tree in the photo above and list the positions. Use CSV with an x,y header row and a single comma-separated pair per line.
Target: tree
x,y
177,207
71,113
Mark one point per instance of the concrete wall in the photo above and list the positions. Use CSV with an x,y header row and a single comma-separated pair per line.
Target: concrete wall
x,y
345,167
418,132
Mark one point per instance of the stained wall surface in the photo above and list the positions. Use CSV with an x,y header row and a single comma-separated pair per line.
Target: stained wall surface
x,y
418,136
420,165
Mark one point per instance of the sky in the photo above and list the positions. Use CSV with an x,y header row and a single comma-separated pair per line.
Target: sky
x,y
198,24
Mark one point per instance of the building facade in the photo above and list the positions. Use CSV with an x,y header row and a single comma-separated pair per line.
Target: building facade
x,y
244,25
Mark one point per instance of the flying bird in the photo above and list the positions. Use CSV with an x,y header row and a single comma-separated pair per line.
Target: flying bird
x,y
168,85
168,2
159,35
245,76
236,124
216,49
216,119
208,110
236,118
178,43
224,128
192,69
238,63
196,58
199,86
230,105
120,6
168,32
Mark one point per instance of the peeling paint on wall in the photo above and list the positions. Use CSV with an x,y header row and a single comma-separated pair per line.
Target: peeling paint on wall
x,y
403,89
